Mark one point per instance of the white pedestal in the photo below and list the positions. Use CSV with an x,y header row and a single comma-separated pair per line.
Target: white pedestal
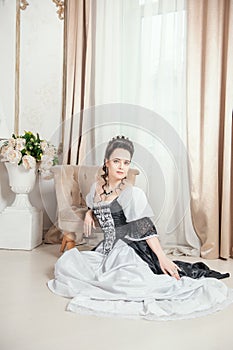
x,y
21,228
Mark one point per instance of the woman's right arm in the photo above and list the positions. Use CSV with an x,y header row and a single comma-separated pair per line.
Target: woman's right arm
x,y
89,223
89,219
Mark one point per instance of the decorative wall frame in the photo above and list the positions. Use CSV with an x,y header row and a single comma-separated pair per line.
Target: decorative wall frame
x,y
60,4
22,5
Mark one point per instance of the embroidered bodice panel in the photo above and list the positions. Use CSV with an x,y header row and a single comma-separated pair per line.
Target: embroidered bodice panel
x,y
106,222
113,223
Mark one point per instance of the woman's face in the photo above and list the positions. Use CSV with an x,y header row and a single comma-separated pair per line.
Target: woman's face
x,y
118,164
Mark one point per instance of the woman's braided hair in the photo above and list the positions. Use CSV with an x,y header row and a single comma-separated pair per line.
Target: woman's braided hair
x,y
116,142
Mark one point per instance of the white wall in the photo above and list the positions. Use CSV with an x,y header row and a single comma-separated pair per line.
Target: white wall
x,y
41,57
7,63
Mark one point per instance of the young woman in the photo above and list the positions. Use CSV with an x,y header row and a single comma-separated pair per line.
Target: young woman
x,y
128,274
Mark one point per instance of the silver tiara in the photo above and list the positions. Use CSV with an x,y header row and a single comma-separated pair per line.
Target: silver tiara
x,y
119,137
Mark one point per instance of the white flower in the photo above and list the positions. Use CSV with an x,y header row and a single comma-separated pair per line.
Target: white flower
x,y
6,149
46,162
28,162
11,142
50,151
46,174
20,143
43,145
13,156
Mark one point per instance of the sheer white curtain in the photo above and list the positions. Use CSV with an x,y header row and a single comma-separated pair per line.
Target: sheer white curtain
x,y
140,84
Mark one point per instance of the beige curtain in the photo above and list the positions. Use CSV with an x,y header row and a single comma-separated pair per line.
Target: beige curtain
x,y
209,117
79,73
78,83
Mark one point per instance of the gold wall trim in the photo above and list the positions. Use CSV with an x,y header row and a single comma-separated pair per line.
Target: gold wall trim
x,y
60,4
20,5
64,75
17,64
23,4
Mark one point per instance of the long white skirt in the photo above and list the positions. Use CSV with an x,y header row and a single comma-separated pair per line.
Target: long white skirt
x,y
122,284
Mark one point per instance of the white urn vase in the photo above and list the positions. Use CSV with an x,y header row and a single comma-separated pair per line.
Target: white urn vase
x,y
22,182
21,224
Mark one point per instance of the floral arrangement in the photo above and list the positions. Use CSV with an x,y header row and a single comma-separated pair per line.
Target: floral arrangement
x,y
29,149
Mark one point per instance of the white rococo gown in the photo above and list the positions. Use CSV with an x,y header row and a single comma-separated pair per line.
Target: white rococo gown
x,y
113,280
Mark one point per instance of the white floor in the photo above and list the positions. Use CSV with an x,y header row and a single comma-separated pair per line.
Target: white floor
x,y
32,318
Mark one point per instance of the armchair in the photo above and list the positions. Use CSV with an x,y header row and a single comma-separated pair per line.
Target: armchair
x,y
72,184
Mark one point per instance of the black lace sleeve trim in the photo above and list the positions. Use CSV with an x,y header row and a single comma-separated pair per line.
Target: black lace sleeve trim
x,y
140,229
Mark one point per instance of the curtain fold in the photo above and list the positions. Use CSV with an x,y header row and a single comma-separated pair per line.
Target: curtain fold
x,y
80,82
209,122
79,85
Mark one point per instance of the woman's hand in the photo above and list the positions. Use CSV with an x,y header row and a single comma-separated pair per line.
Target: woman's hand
x,y
169,267
88,223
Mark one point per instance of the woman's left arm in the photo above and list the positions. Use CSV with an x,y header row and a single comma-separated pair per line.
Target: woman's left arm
x,y
167,266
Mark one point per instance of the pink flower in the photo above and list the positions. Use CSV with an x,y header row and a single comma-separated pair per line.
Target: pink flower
x,y
50,151
46,162
11,142
13,156
28,162
20,144
43,145
5,150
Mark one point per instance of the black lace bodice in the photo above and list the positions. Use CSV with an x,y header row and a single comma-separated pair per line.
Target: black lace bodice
x,y
113,222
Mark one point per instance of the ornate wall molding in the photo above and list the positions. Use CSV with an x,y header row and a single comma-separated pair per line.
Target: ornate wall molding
x,y
23,4
64,75
17,65
20,5
60,4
